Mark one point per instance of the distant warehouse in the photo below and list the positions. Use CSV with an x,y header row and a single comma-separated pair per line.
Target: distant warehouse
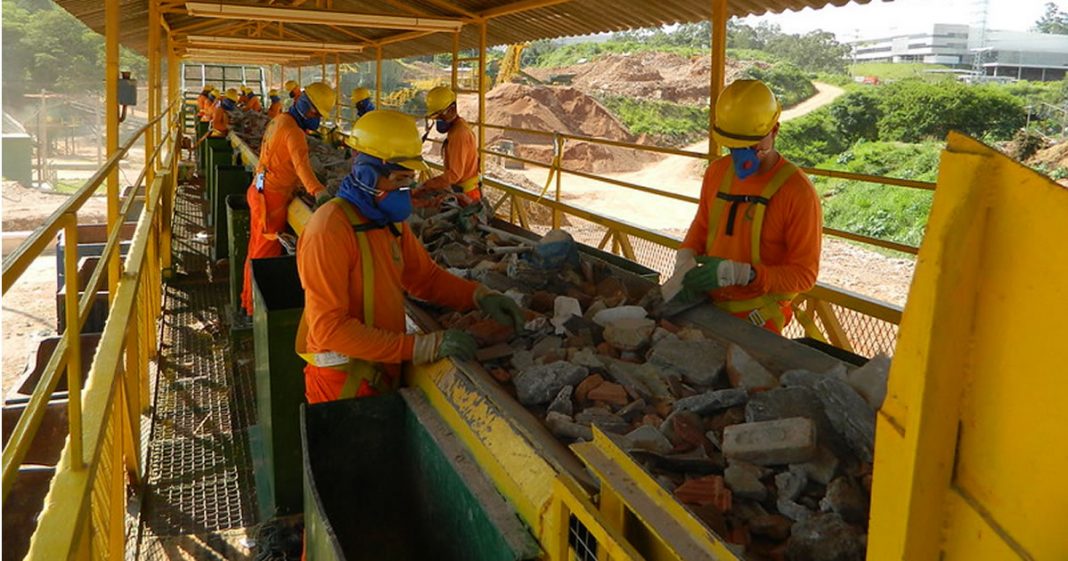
x,y
1022,55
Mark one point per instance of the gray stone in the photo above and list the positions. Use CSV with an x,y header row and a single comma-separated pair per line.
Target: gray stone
x,y
745,372
793,510
603,419
849,414
563,427
714,439
540,383
521,360
821,468
547,345
581,326
659,334
784,441
645,379
847,499
783,403
632,410
587,357
629,334
562,402
870,380
743,479
696,362
825,537
649,438
712,401
808,379
790,483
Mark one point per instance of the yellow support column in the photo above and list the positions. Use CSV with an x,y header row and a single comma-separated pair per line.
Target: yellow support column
x,y
481,96
111,102
152,134
719,60
455,62
378,75
337,88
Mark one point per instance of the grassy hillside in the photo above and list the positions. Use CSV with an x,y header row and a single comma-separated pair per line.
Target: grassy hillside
x,y
899,71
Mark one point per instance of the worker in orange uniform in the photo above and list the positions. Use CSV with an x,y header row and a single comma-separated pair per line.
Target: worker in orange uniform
x,y
283,168
204,103
243,98
755,242
459,151
357,257
293,89
252,101
220,119
276,104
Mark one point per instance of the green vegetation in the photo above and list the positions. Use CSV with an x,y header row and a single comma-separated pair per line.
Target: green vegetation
x,y
670,123
888,71
790,85
886,212
815,51
1054,20
567,55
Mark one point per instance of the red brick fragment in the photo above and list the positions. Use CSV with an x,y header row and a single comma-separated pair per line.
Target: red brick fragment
x,y
668,326
608,350
583,389
707,490
609,392
652,420
501,375
488,332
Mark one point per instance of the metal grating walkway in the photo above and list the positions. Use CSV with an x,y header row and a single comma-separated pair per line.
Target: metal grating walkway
x,y
199,495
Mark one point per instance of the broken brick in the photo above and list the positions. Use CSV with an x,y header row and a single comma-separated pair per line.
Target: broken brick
x,y
689,429
669,327
707,490
774,526
606,348
608,392
488,332
652,420
501,375
583,389
542,302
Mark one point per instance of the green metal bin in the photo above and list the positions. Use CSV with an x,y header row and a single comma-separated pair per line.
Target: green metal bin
x,y
229,181
237,235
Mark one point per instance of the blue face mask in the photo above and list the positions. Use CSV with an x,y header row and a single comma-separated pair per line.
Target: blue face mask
x,y
442,125
228,104
364,106
360,187
300,109
746,161
396,205
275,99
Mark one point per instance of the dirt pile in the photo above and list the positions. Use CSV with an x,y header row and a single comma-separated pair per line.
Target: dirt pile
x,y
26,208
1052,157
559,109
647,75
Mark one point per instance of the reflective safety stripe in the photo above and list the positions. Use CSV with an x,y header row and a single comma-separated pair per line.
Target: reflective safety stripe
x,y
365,378
470,184
767,307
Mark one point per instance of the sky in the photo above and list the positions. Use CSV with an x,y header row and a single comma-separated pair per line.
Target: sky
x,y
879,18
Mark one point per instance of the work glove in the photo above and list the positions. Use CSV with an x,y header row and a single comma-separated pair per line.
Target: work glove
x,y
322,198
713,272
501,308
434,346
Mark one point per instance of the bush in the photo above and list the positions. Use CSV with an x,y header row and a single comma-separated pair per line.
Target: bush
x,y
789,83
812,139
674,124
916,111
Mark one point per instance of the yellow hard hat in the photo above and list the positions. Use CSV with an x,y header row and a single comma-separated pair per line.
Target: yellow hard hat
x,y
272,93
746,111
245,89
390,135
322,96
208,88
438,100
232,94
360,94
290,85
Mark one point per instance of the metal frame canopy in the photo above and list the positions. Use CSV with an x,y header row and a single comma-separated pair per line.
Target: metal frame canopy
x,y
401,28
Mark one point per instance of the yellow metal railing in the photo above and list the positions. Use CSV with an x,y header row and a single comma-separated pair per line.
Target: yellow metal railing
x,y
84,510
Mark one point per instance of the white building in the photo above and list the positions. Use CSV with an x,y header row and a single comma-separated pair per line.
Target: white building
x,y
1017,54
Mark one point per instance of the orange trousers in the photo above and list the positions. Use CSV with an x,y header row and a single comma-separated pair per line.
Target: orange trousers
x,y
267,217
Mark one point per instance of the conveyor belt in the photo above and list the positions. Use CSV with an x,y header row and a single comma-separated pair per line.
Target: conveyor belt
x,y
199,496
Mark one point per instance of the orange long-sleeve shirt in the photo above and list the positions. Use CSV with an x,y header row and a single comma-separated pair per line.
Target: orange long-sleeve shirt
x,y
460,155
329,263
284,157
254,104
220,121
204,107
789,241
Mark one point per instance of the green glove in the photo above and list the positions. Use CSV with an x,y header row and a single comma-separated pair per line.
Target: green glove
x,y
713,272
322,199
456,344
502,309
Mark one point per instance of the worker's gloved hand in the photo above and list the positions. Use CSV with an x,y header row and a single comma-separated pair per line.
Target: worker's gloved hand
x,y
322,198
501,308
713,272
434,346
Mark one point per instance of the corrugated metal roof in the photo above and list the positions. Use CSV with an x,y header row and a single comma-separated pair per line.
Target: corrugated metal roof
x,y
568,18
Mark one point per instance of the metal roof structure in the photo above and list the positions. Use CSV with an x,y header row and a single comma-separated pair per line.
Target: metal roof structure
x,y
402,28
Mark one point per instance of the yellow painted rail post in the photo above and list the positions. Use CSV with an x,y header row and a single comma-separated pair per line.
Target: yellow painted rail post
x,y
482,94
111,70
73,335
719,60
378,75
970,442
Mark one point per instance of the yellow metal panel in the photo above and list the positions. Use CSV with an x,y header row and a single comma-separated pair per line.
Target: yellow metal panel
x,y
979,371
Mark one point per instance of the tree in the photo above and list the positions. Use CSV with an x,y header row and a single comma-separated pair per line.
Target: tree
x,y
1054,21
815,51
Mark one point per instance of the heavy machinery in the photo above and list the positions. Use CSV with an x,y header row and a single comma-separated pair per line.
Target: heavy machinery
x,y
966,455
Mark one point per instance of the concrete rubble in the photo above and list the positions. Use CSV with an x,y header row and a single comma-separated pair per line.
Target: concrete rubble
x,y
778,464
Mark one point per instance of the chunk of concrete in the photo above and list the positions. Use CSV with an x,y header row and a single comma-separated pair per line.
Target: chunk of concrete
x,y
793,510
522,360
849,414
847,499
611,315
540,383
825,537
629,334
712,401
563,427
587,357
784,441
564,308
603,419
790,483
697,362
745,372
646,379
650,438
744,480
808,379
821,468
870,380
562,402
546,346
